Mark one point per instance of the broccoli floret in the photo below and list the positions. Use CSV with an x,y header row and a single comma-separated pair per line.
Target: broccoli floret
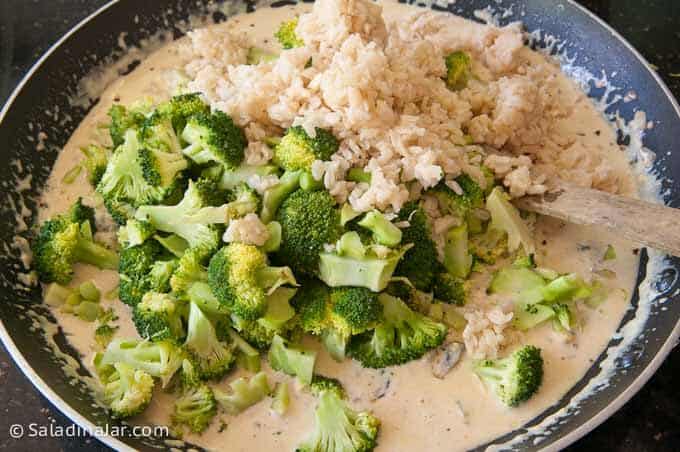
x,y
196,406
104,334
450,289
321,384
241,279
135,268
458,70
135,232
248,356
286,35
297,150
459,204
515,378
193,219
457,258
372,271
123,183
421,262
180,108
161,158
214,138
210,357
96,158
384,232
281,398
230,179
404,335
309,220
279,310
190,270
505,217
124,119
339,428
489,246
257,55
274,196
292,360
65,240
158,317
244,393
127,391
158,359
564,319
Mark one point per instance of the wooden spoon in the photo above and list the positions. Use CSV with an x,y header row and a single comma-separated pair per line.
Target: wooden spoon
x,y
650,224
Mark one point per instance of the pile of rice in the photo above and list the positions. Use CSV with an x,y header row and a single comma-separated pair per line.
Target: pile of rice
x,y
377,84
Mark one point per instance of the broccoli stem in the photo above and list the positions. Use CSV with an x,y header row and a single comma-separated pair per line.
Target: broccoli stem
x,y
457,259
384,232
94,254
358,175
274,196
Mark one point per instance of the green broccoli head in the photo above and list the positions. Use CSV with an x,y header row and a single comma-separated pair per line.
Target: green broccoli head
x,y
450,289
286,35
194,219
158,359
297,150
162,169
211,357
158,317
135,268
95,161
134,232
242,280
489,246
66,240
214,138
127,391
404,335
190,269
456,204
103,334
180,108
458,70
124,119
311,304
515,378
244,393
321,384
340,428
308,220
421,262
196,406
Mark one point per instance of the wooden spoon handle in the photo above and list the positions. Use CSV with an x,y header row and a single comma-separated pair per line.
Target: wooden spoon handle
x,y
650,224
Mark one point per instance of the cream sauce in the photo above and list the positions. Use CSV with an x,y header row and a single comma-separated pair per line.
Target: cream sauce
x,y
418,411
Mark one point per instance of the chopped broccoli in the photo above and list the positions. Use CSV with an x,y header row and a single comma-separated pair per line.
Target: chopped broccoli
x,y
193,219
505,217
515,378
309,220
127,391
158,317
244,393
160,158
196,406
404,335
278,310
241,279
123,183
358,175
248,357
297,150
231,179
450,289
339,428
281,398
124,119
292,360
371,271
459,205
274,196
321,384
515,281
210,357
190,270
421,262
135,268
214,138
286,35
528,314
104,334
257,55
384,232
180,108
66,240
609,254
570,286
489,246
350,244
564,319
158,359
457,259
96,158
135,232
458,70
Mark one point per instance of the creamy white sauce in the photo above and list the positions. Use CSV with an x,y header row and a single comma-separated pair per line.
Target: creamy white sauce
x,y
418,411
